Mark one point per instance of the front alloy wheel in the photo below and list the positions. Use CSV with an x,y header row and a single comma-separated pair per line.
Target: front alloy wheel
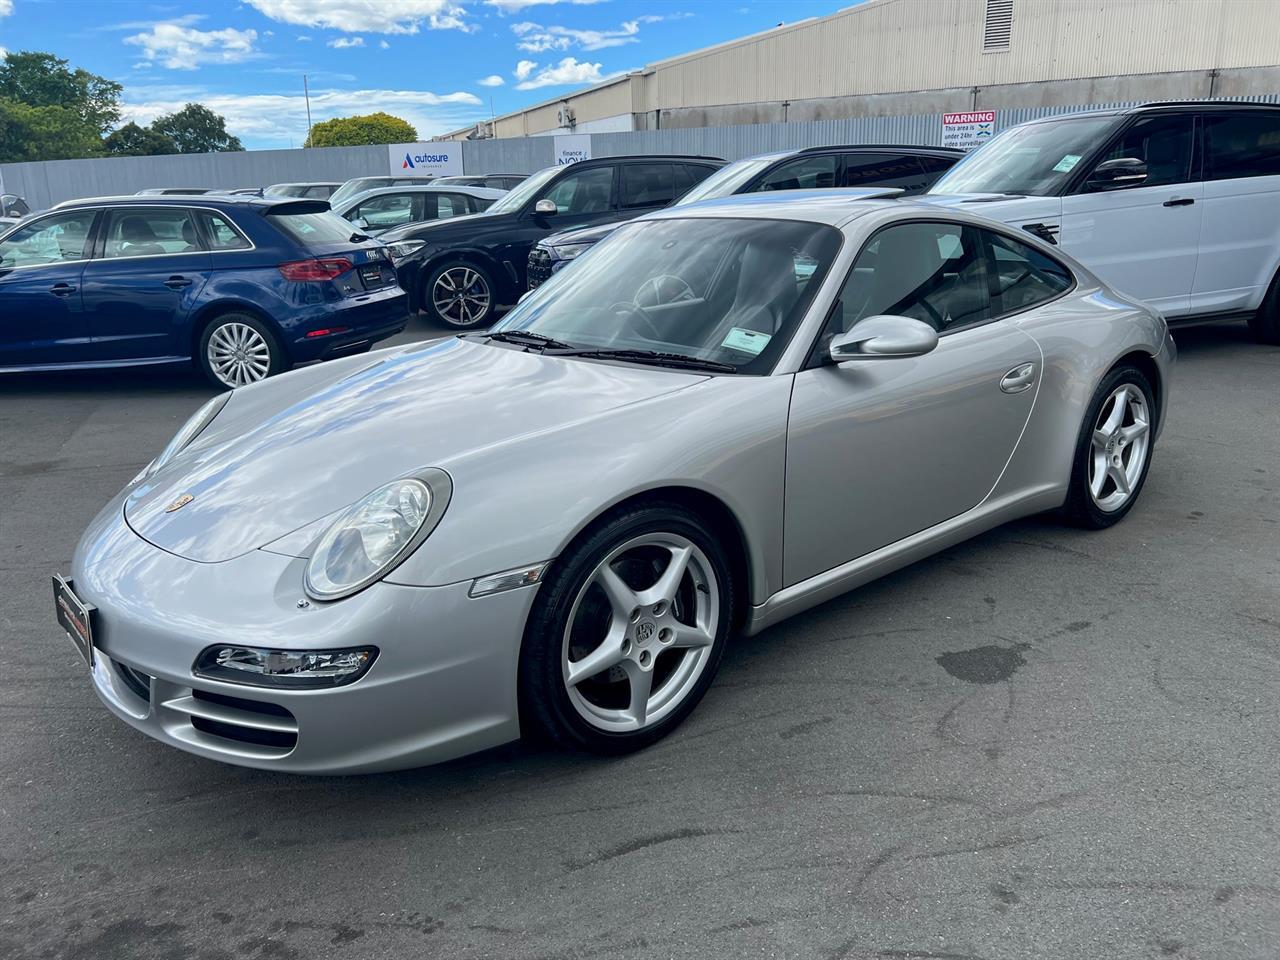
x,y
627,631
461,296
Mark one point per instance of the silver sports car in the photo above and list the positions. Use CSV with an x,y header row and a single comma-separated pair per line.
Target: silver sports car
x,y
720,416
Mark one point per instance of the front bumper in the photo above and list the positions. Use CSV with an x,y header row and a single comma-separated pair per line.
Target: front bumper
x,y
443,684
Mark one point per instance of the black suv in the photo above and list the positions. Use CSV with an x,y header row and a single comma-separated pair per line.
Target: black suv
x,y
913,169
462,269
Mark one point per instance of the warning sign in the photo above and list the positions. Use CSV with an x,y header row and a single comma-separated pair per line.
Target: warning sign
x,y
968,130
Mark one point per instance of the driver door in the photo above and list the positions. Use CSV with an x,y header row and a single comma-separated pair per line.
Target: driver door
x,y
878,450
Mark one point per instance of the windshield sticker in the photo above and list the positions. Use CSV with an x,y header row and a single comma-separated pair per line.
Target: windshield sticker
x,y
1066,163
748,341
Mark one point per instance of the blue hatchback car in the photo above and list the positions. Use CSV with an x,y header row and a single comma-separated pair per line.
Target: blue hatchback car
x,y
244,286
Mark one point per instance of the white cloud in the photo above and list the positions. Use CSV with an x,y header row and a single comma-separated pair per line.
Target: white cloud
x,y
6,8
523,69
342,43
567,71
367,16
493,80
536,38
179,46
383,45
303,38
515,6
276,120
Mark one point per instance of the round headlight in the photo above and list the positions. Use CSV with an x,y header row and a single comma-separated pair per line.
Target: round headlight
x,y
370,538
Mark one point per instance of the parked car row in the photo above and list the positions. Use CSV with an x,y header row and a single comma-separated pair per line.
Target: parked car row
x,y
1177,204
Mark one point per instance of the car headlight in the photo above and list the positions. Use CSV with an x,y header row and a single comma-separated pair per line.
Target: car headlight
x,y
374,535
404,248
284,668
569,251
183,438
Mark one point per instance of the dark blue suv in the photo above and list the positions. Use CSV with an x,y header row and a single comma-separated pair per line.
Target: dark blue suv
x,y
244,286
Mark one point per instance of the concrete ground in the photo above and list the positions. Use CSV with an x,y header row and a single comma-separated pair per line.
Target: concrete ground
x,y
1041,743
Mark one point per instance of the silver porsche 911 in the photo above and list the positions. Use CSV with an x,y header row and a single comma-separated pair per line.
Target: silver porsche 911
x,y
720,416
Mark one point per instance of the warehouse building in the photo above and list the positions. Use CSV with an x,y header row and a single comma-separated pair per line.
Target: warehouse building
x,y
900,57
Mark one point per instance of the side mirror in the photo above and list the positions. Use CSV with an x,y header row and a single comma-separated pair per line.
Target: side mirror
x,y
360,222
883,337
1121,172
545,207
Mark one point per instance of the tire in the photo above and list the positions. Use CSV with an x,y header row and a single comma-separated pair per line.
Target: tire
x,y
1120,450
678,646
251,339
1265,324
460,295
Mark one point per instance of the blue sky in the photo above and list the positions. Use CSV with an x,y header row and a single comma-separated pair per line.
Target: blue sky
x,y
440,64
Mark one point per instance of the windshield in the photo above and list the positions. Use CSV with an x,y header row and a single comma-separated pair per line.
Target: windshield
x,y
352,187
725,290
524,192
727,180
1034,160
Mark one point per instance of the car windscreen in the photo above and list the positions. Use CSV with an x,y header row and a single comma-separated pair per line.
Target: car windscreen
x,y
726,290
311,227
1033,160
727,180
526,191
359,185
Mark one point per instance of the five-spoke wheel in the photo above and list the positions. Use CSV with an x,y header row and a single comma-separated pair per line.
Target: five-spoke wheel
x,y
460,295
628,631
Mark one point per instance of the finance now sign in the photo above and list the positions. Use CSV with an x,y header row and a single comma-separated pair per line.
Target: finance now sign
x,y
968,130
442,158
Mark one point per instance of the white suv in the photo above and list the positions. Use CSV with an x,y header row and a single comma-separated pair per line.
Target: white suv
x,y
1177,204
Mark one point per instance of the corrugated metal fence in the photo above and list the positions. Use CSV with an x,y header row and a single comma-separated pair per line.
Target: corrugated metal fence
x,y
44,184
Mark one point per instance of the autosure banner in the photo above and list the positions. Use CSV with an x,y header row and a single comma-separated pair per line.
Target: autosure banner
x,y
441,158
965,131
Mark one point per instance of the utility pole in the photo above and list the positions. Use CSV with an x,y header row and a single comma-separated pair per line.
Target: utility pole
x,y
306,92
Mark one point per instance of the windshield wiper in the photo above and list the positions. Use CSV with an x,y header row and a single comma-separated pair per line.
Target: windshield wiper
x,y
525,338
655,357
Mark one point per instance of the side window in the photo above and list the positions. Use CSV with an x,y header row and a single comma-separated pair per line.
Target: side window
x,y
803,173
222,235
448,205
389,210
934,272
1021,277
689,175
319,192
1163,144
1242,145
646,185
55,239
934,167
154,232
583,191
13,206
479,204
883,170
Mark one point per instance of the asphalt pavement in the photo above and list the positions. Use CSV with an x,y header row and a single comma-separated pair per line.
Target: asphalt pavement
x,y
1040,743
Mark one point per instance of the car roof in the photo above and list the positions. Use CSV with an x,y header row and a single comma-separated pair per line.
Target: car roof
x,y
307,183
904,148
484,193
184,200
1163,106
648,157
834,207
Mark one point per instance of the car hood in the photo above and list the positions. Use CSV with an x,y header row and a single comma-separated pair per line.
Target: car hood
x,y
281,456
1008,208
581,235
428,229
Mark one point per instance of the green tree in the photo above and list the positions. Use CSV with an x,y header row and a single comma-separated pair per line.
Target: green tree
x,y
196,129
43,80
44,133
361,131
132,140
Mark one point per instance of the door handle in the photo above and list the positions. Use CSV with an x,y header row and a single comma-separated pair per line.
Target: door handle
x,y
177,283
1019,378
1179,202
62,289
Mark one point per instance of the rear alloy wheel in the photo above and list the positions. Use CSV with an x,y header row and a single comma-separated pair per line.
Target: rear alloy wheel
x,y
1265,324
1114,451
460,295
237,349
627,633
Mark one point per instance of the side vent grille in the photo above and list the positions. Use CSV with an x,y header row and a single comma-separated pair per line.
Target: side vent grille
x,y
997,25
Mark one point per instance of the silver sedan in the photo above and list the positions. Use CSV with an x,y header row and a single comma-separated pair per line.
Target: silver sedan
x,y
720,416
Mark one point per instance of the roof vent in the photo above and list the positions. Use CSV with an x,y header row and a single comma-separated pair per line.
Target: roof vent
x,y
997,25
